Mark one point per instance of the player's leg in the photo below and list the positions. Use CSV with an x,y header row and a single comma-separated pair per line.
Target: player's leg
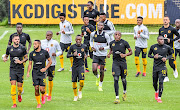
x,y
116,88
42,81
144,52
20,84
13,79
71,58
102,62
74,82
81,77
155,81
94,69
37,95
123,79
51,74
162,74
176,52
172,63
86,64
137,63
61,58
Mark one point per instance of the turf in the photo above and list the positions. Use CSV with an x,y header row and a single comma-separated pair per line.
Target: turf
x,y
140,92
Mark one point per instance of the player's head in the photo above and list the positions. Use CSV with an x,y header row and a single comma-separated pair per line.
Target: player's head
x,y
117,35
160,40
62,16
139,20
49,35
15,39
37,44
177,23
86,19
100,26
90,4
78,40
102,17
166,20
19,27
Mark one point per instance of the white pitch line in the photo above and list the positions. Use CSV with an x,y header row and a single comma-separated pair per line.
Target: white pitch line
x,y
5,32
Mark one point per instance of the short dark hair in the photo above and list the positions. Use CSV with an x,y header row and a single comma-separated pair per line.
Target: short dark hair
x,y
85,16
49,31
15,35
159,36
62,14
102,13
90,2
19,24
140,17
37,41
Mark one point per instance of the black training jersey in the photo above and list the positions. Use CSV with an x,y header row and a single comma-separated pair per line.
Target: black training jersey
x,y
79,59
16,53
23,38
92,15
168,33
119,47
163,51
87,34
39,59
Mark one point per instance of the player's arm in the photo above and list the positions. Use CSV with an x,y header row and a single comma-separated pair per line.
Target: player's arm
x,y
70,52
49,62
10,40
30,43
169,56
98,13
177,34
59,51
127,46
57,33
111,26
82,34
146,34
71,30
135,37
110,52
25,56
7,54
30,64
91,41
150,52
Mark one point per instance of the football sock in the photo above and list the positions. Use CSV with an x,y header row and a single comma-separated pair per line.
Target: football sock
x,y
71,60
144,64
20,89
75,88
61,61
13,93
137,63
81,84
50,87
38,99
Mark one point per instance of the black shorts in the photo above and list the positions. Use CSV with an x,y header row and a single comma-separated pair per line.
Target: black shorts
x,y
65,47
38,78
119,69
78,73
89,51
139,50
160,73
177,51
51,71
101,60
16,74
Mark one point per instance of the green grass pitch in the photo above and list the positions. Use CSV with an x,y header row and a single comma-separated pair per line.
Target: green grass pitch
x,y
140,92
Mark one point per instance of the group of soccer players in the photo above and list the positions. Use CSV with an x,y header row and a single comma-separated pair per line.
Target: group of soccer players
x,y
98,39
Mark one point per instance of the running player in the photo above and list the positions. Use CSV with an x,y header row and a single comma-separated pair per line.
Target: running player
x,y
99,41
141,35
66,29
119,67
18,55
161,52
92,14
167,31
78,52
86,30
177,42
51,46
108,26
39,57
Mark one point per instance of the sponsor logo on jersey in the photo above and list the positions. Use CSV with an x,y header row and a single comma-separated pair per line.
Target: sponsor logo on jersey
x,y
155,48
34,54
165,35
113,44
51,45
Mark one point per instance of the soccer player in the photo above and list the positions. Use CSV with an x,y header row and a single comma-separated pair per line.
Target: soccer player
x,y
66,29
176,43
119,67
99,41
23,38
39,57
168,33
86,30
92,14
18,55
78,52
161,52
51,46
108,26
141,35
